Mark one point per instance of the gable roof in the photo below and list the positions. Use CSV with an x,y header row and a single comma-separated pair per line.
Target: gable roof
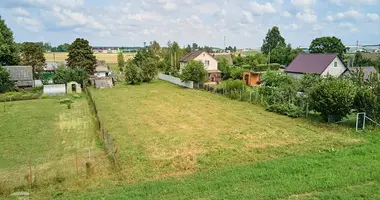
x,y
366,70
228,56
101,66
191,56
310,63
20,73
52,66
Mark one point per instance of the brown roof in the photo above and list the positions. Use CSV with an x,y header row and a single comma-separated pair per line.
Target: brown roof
x,y
310,63
190,56
372,56
224,55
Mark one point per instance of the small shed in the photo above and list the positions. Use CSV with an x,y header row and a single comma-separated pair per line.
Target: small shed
x,y
252,78
73,87
57,89
105,82
21,75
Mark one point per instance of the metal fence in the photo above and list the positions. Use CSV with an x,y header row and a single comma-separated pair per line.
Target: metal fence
x,y
175,80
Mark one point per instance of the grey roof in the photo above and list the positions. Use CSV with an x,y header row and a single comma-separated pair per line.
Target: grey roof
x,y
23,75
228,56
310,63
52,66
101,66
190,56
366,70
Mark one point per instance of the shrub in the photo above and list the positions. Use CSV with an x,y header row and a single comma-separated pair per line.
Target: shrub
x,y
308,81
237,73
233,87
133,74
333,98
194,71
366,101
19,96
277,79
266,67
290,110
6,84
65,75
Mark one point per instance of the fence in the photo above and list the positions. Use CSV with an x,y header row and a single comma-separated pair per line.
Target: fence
x,y
176,80
109,143
58,89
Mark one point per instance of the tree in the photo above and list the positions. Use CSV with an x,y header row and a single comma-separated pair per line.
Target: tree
x,y
149,69
32,55
155,49
8,48
81,55
225,68
6,84
360,61
47,47
328,45
195,46
133,73
333,98
120,61
237,73
65,75
194,71
188,48
272,40
235,49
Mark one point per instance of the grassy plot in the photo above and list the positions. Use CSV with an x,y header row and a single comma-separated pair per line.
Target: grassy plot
x,y
109,58
348,173
50,137
164,130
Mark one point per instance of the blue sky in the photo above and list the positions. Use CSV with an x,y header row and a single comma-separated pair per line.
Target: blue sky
x,y
243,23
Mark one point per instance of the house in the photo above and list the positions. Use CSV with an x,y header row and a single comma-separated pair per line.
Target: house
x,y
320,64
371,56
51,66
21,75
252,78
209,62
227,56
101,69
367,71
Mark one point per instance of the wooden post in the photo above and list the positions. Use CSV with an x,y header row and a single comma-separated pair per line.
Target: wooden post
x,y
250,97
30,173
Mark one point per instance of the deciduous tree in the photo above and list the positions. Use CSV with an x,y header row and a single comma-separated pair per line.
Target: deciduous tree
x,y
194,71
6,84
32,55
328,45
81,55
8,48
120,61
272,40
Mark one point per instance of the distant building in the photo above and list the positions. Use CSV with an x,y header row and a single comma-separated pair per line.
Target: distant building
x,y
320,64
21,75
367,71
209,62
227,56
101,69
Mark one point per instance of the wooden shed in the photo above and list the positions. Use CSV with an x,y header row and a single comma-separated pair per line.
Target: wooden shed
x,y
252,78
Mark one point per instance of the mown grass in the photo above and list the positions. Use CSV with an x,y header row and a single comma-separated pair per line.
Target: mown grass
x,y
164,130
344,173
109,58
49,136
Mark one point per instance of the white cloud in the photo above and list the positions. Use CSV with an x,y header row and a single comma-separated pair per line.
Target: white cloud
x,y
143,16
353,14
303,3
30,24
60,3
330,18
286,14
279,1
262,8
353,2
307,16
373,16
349,26
20,11
292,26
247,17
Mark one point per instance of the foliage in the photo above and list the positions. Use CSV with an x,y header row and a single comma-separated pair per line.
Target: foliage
x,y
8,48
171,56
120,61
286,109
308,81
149,69
361,61
277,79
67,101
225,68
81,56
194,71
22,95
65,75
32,55
61,48
366,101
272,40
133,74
238,60
237,73
233,85
6,84
328,45
284,55
265,67
333,98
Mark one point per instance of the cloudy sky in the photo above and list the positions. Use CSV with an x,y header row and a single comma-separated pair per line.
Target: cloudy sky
x,y
244,23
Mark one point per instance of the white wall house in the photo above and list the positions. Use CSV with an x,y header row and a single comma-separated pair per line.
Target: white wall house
x,y
320,64
209,62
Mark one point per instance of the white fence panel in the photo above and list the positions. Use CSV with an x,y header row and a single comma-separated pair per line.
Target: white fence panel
x,y
58,89
176,80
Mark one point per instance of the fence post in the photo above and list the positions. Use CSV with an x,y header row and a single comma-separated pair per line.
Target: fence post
x,y
250,97
307,109
30,173
240,94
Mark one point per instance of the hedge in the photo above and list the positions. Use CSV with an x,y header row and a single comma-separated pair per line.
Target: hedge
x,y
266,67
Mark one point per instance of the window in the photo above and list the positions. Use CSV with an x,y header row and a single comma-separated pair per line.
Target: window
x,y
207,62
335,64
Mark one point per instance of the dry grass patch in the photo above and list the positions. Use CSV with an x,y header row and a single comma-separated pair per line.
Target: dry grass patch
x,y
163,129
109,58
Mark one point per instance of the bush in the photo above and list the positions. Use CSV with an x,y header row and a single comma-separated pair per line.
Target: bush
x,y
366,101
6,84
277,79
194,71
19,96
290,110
308,81
133,74
266,67
333,98
65,75
237,73
233,88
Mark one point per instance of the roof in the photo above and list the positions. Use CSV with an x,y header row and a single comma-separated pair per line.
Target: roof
x,y
224,55
191,56
310,63
101,66
52,66
366,70
20,73
372,56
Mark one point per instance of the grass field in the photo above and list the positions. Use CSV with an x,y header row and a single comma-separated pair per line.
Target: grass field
x,y
49,136
164,130
250,53
109,58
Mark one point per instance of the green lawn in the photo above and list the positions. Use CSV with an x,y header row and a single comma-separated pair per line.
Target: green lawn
x,y
49,135
164,130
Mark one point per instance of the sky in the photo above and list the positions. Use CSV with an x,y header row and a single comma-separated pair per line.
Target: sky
x,y
244,23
